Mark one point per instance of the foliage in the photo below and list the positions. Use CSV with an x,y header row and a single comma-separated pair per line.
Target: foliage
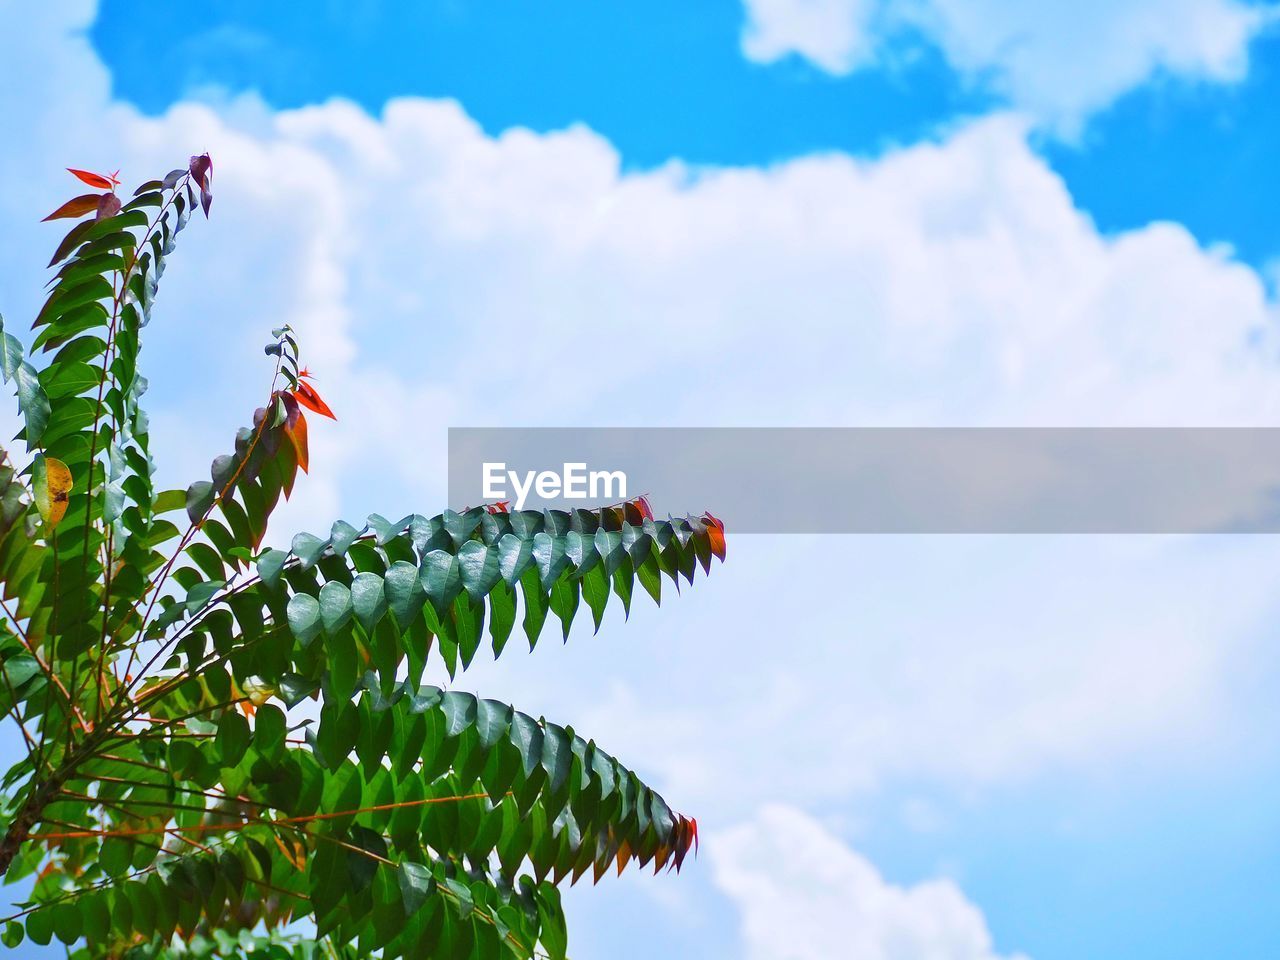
x,y
223,740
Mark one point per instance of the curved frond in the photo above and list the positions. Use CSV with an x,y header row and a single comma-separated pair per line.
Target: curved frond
x,y
231,751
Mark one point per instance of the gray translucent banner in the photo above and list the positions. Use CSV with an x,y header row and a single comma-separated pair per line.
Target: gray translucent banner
x,y
846,480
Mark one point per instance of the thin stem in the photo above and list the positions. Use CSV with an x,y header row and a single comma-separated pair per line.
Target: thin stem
x,y
117,302
46,669
158,584
118,803
202,828
208,795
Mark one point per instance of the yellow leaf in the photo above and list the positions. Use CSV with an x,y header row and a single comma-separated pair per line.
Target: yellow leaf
x,y
51,480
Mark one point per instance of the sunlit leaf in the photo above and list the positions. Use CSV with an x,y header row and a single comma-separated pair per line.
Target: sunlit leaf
x,y
93,179
76,207
180,796
297,434
307,396
51,488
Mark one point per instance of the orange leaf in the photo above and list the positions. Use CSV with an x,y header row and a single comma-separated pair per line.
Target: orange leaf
x,y
297,433
76,207
51,483
624,856
93,179
661,856
498,506
715,533
307,396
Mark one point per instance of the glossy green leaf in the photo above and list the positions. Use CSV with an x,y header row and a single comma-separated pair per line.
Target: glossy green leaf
x,y
233,737
304,617
234,745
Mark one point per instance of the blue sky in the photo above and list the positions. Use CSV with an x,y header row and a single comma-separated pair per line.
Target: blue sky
x,y
770,212
669,81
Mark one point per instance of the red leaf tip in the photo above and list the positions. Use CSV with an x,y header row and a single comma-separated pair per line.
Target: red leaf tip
x,y
107,182
306,395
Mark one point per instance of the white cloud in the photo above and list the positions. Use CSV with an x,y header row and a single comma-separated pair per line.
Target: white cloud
x,y
1057,61
803,893
836,35
967,664
440,276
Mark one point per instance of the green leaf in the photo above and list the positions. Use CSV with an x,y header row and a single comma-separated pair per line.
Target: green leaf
x,y
551,933
233,737
441,578
335,606
342,536
117,856
68,922
526,734
368,600
404,591
535,605
550,557
502,616
459,711
564,602
595,590
40,925
493,719
33,403
269,731
304,617
198,596
650,577
308,548
416,884
464,903
113,501
556,755
514,556
69,379
97,918
200,497
270,565
479,567
21,668
344,664
169,500
70,241
10,353
12,935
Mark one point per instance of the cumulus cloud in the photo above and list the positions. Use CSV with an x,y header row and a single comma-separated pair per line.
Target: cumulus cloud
x,y
803,894
1059,62
950,283
440,276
